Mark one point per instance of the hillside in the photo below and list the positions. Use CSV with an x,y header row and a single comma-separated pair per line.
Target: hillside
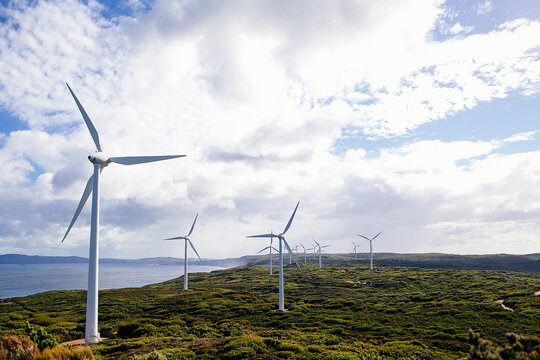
x,y
528,263
339,312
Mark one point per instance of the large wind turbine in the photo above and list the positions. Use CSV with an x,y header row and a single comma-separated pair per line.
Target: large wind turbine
x,y
354,249
282,241
370,248
320,250
271,248
187,240
100,160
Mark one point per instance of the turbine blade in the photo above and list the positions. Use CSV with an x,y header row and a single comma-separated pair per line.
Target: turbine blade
x,y
290,220
176,238
377,235
193,247
262,236
276,250
325,246
291,253
192,226
133,160
319,245
364,237
86,193
303,247
87,120
263,249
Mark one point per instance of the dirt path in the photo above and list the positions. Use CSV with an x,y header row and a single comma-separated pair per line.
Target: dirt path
x,y
77,342
503,306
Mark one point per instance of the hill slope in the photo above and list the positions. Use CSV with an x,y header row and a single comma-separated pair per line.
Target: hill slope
x,y
338,312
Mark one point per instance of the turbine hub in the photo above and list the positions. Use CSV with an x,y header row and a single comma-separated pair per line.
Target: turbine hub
x,y
100,158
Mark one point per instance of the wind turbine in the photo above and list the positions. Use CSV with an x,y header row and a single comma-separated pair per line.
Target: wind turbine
x,y
370,248
354,249
320,250
282,241
100,160
271,248
187,240
305,258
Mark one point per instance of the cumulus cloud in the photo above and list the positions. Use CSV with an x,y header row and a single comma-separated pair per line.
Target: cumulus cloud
x,y
256,94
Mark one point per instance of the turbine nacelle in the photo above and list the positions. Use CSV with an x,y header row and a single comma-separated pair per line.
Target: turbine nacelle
x,y
100,158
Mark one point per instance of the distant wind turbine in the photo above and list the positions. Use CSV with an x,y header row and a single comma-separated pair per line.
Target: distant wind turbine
x,y
370,248
282,241
320,250
354,249
305,258
100,160
271,248
186,241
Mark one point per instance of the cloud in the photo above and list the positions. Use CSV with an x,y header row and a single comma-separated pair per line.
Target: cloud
x,y
484,7
257,94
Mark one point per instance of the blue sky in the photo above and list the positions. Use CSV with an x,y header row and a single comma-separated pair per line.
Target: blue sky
x,y
419,118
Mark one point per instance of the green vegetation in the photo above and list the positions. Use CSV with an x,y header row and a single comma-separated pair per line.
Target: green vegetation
x,y
342,311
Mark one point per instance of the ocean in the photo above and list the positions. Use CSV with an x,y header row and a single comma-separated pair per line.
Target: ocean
x,y
22,280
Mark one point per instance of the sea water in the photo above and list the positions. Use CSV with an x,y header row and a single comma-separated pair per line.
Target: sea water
x,y
21,280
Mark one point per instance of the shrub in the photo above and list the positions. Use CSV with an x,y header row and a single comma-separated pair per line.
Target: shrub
x,y
243,347
179,354
154,355
62,353
343,355
40,337
14,347
521,347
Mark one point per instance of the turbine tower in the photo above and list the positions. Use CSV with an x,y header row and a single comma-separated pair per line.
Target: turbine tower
x,y
370,248
100,160
271,248
282,242
187,240
320,250
354,249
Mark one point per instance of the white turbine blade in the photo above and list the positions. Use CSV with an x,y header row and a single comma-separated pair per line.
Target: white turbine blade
x,y
276,250
364,237
353,243
291,253
262,236
319,245
263,249
325,246
192,226
134,160
193,247
303,247
176,238
290,220
377,235
87,120
86,193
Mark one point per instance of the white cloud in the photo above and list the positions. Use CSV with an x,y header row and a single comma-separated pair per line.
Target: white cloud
x,y
484,7
256,94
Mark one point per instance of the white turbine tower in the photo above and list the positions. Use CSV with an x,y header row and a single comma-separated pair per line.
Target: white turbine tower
x,y
271,248
187,240
354,249
370,248
320,250
282,241
100,160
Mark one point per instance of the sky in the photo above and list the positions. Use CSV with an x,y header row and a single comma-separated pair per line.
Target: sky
x,y
417,118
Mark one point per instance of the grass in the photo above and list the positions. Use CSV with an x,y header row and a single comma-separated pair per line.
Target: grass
x,y
342,311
